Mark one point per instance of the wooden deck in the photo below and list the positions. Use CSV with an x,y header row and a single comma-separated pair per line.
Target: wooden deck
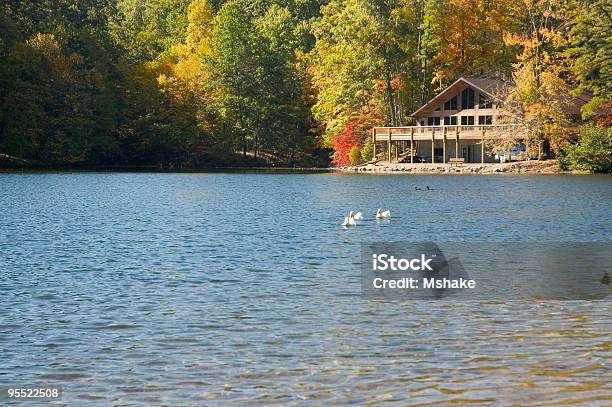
x,y
395,136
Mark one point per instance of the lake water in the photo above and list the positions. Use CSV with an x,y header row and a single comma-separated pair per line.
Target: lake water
x,y
192,289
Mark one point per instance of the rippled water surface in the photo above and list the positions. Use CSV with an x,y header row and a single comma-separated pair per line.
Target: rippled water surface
x,y
204,289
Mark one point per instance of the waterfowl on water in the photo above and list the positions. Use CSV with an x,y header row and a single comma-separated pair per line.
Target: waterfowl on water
x,y
417,188
605,279
382,214
349,220
358,216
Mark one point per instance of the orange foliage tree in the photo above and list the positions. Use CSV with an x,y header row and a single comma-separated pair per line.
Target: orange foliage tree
x,y
344,142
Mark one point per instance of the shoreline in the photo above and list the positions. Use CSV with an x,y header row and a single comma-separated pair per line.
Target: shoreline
x,y
156,170
548,167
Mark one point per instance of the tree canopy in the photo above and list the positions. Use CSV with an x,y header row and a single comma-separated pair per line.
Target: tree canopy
x,y
198,82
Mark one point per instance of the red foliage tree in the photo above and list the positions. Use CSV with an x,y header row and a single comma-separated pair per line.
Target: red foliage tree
x,y
343,143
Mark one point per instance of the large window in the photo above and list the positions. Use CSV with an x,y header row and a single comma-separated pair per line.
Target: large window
x,y
451,104
467,120
433,121
450,120
467,99
484,102
488,119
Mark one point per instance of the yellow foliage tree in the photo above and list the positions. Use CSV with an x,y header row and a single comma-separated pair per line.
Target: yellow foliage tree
x,y
539,98
469,37
182,72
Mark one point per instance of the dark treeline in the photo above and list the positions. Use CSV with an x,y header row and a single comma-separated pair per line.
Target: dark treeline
x,y
160,82
195,82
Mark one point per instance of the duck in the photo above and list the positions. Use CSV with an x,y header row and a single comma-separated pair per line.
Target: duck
x,y
429,189
605,279
358,216
382,214
417,188
349,220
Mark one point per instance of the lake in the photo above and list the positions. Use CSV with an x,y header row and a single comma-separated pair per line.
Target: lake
x,y
192,289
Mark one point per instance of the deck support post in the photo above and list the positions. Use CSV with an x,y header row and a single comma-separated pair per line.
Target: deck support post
x,y
389,147
374,144
539,150
444,145
457,142
412,145
433,144
396,150
482,145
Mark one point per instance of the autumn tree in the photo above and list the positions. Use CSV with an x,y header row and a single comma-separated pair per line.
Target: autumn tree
x,y
468,37
590,42
357,73
344,143
539,98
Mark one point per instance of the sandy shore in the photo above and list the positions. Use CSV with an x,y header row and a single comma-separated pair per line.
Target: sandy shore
x,y
519,167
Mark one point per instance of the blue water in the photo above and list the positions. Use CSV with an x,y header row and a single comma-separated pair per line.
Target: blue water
x,y
192,289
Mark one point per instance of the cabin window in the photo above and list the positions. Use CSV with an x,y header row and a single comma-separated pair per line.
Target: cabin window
x,y
488,119
484,102
433,121
450,120
451,104
467,99
422,122
467,120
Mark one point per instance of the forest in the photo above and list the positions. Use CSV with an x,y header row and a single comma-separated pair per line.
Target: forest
x,y
197,83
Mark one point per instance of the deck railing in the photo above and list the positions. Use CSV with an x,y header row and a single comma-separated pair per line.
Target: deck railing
x,y
439,132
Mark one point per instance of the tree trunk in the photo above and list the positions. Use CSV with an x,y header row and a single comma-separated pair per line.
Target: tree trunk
x,y
420,39
424,79
392,109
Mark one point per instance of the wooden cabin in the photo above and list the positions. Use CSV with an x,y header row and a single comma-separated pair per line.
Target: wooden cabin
x,y
455,124
452,125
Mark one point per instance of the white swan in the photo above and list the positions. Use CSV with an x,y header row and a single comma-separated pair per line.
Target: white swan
x,y
358,216
380,214
349,220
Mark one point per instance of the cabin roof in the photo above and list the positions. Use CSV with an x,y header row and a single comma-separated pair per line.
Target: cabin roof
x,y
487,86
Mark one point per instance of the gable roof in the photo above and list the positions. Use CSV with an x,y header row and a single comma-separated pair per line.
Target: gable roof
x,y
487,86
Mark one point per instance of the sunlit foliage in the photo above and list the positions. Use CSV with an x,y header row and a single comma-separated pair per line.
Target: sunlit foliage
x,y
196,82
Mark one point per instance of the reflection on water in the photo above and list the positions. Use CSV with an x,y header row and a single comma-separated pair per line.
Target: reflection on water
x,y
191,289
